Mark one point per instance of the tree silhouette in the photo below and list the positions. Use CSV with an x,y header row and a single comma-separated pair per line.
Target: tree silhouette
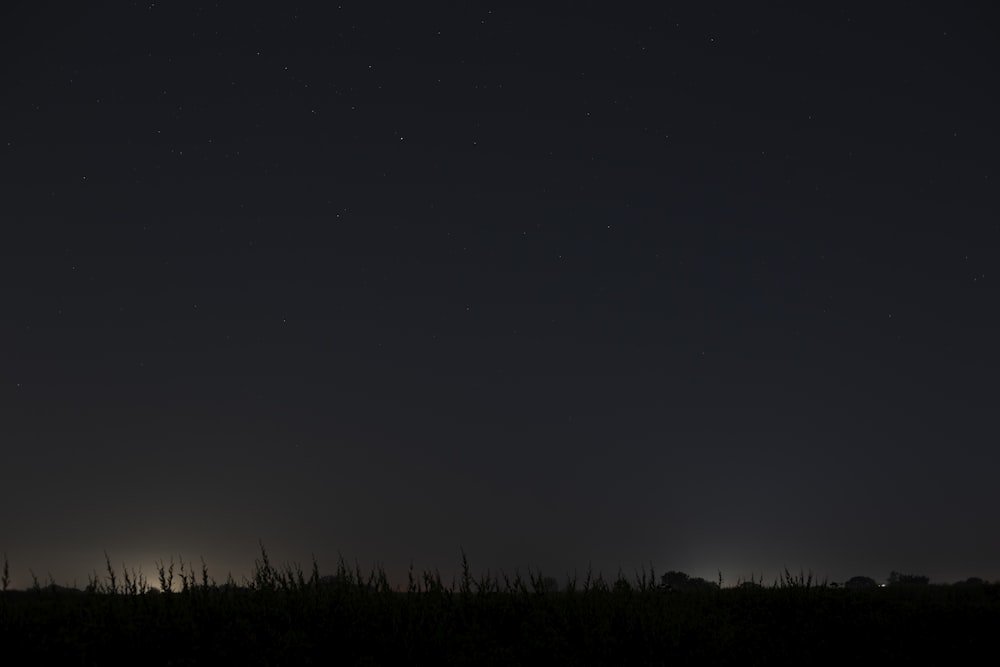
x,y
679,581
674,580
972,581
897,578
860,582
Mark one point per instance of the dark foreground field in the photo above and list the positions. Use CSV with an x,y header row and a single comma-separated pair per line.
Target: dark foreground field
x,y
287,619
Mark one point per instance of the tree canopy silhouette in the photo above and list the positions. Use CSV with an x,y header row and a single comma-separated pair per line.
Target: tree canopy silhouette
x,y
897,578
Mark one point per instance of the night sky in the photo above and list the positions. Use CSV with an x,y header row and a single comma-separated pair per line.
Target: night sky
x,y
703,286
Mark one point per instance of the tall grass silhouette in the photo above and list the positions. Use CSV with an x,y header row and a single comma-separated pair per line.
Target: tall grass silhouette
x,y
289,615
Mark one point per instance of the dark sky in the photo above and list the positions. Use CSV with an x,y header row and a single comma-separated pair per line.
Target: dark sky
x,y
707,286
